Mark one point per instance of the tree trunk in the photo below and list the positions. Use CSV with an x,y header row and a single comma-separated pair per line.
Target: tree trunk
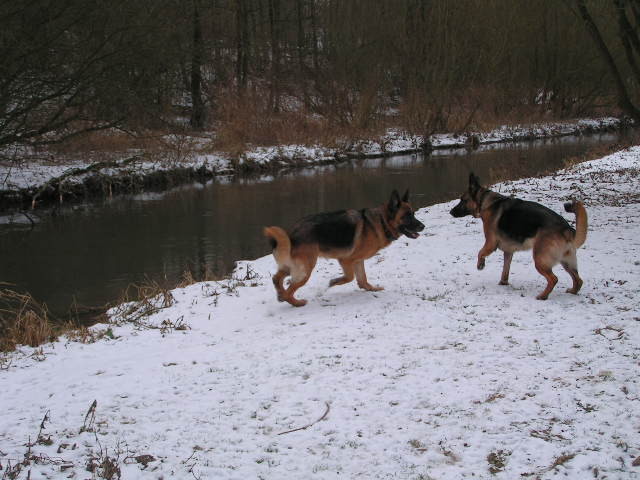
x,y
274,25
624,99
242,39
197,108
629,37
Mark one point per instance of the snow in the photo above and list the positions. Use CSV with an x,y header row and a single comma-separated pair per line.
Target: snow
x,y
32,174
443,375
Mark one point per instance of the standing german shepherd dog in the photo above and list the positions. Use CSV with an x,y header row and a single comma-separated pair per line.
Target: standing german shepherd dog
x,y
511,225
350,236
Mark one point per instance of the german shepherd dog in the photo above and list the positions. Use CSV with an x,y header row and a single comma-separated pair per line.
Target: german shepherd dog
x,y
350,236
511,225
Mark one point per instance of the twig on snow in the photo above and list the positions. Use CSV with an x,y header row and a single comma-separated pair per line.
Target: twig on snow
x,y
91,416
326,412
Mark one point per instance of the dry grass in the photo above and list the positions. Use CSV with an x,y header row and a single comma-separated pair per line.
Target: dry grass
x,y
497,461
110,141
101,462
23,321
247,121
84,334
186,279
171,145
140,300
557,462
476,109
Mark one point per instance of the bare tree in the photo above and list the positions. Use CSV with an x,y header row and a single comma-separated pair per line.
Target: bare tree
x,y
197,104
627,35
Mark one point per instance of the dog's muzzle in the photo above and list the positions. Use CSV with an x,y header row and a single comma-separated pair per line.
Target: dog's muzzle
x,y
459,211
412,230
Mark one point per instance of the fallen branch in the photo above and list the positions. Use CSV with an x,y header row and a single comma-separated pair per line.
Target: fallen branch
x,y
56,183
620,332
326,412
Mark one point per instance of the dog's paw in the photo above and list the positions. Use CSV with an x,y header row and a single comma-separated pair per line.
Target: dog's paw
x,y
480,264
338,281
374,288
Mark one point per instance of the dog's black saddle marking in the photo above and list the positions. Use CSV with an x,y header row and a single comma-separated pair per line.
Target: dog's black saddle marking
x,y
521,219
330,229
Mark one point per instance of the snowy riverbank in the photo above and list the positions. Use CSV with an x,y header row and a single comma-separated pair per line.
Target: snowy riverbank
x,y
33,180
443,375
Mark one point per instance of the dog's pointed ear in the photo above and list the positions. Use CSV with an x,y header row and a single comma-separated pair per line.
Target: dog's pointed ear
x,y
474,184
405,197
394,203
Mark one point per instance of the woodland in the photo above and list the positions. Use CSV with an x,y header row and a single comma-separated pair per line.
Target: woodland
x,y
269,72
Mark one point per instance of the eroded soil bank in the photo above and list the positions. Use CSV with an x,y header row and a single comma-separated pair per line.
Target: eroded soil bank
x,y
29,184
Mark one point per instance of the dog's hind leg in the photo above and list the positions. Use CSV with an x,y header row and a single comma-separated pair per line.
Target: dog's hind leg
x,y
545,257
348,270
278,280
504,279
544,268
547,273
361,277
570,264
299,276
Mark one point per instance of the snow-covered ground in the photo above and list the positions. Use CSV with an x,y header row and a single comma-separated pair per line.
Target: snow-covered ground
x,y
32,174
443,375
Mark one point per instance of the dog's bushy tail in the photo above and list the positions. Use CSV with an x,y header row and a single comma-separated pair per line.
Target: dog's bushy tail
x,y
574,206
280,243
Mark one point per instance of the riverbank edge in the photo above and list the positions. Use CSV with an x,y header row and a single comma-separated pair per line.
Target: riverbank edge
x,y
137,302
212,356
144,172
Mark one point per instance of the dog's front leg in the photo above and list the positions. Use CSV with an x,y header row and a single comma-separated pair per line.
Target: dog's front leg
x,y
361,278
490,244
504,279
487,249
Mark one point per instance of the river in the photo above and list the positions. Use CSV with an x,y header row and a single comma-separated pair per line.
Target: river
x,y
90,252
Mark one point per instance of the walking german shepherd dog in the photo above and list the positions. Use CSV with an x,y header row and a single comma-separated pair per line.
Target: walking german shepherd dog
x,y
511,225
350,236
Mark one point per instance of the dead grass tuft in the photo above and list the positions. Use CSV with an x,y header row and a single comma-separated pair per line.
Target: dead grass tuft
x,y
186,279
558,462
23,321
417,445
84,334
140,300
497,461
104,465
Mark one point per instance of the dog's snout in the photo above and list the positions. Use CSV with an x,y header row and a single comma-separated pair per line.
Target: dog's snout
x,y
457,211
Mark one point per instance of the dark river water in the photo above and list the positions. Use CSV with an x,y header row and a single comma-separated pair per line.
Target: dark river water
x,y
90,252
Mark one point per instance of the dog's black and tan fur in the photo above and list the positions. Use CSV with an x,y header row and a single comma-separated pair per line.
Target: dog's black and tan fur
x,y
511,225
350,236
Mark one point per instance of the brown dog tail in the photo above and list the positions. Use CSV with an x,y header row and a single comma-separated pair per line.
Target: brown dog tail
x,y
582,224
280,243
